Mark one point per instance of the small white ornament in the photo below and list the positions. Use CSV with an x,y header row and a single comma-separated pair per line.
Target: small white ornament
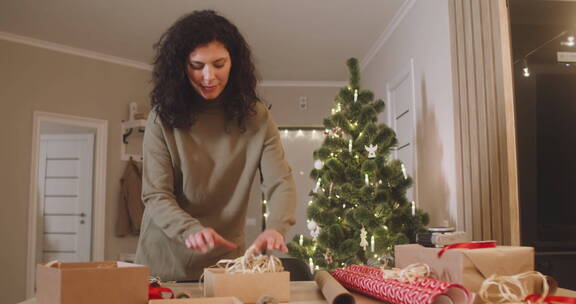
x,y
371,150
404,171
350,146
318,164
314,229
356,95
317,186
363,238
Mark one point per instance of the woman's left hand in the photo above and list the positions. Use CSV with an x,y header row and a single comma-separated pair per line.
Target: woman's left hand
x,y
270,240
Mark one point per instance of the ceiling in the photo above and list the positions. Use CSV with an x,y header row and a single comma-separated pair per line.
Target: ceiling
x,y
536,28
292,40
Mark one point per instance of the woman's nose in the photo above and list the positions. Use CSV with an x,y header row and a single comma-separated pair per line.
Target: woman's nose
x,y
208,72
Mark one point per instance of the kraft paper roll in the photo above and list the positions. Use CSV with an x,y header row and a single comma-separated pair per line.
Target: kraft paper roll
x,y
332,290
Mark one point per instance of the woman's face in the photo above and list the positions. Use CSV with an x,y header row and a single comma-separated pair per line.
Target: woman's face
x,y
208,69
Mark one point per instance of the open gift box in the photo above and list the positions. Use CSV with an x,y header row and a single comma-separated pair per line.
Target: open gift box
x,y
217,300
247,287
92,283
468,267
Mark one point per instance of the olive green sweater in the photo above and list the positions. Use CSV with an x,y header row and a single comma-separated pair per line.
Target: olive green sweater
x,y
201,177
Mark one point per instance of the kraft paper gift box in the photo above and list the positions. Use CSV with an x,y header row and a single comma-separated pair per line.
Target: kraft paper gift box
x,y
247,287
468,267
92,283
218,300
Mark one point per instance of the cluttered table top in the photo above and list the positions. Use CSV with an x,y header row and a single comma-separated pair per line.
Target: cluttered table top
x,y
300,292
305,292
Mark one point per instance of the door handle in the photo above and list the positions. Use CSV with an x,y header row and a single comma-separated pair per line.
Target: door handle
x,y
81,214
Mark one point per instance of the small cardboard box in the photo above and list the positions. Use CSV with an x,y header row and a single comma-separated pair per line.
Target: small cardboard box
x,y
467,267
92,283
248,287
217,300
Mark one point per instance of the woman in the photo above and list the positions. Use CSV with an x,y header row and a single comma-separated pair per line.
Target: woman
x,y
206,141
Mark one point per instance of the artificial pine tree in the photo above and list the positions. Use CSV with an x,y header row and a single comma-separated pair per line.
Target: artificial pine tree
x,y
359,209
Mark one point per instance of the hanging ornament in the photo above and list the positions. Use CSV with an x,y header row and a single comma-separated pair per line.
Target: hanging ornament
x,y
337,131
404,171
350,146
314,229
317,186
371,150
318,164
328,257
372,243
363,238
355,95
366,179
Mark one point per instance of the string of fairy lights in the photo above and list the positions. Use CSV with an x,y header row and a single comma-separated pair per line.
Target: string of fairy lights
x,y
311,133
570,41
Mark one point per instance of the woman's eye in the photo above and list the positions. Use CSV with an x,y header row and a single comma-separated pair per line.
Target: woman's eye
x,y
218,66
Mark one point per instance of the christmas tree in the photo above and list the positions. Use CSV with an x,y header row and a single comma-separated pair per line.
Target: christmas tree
x,y
359,209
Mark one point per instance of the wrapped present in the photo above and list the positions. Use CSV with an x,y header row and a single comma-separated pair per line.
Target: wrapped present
x,y
249,278
467,267
91,283
370,281
517,288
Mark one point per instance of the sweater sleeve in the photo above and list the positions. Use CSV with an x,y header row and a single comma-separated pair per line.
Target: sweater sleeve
x,y
277,181
158,192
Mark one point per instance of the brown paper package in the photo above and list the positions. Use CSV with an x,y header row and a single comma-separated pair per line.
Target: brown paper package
x,y
468,267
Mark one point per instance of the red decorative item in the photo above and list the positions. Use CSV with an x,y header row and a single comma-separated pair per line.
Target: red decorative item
x,y
551,299
369,281
155,291
472,245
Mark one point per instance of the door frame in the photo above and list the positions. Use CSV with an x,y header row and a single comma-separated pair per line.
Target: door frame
x,y
408,72
99,188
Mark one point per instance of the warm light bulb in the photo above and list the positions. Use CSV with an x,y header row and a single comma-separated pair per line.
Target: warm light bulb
x,y
569,41
526,72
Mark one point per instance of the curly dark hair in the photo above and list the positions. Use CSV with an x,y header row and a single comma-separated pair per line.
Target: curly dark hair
x,y
173,97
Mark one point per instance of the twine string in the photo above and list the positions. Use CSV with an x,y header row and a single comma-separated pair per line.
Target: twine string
x,y
408,273
251,262
511,289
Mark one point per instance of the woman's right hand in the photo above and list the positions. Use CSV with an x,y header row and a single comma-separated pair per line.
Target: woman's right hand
x,y
206,239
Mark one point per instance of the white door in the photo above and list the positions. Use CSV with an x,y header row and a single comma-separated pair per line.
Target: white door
x,y
402,118
65,197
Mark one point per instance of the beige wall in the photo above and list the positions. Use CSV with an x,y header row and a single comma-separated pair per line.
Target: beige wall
x,y
285,104
34,79
424,35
